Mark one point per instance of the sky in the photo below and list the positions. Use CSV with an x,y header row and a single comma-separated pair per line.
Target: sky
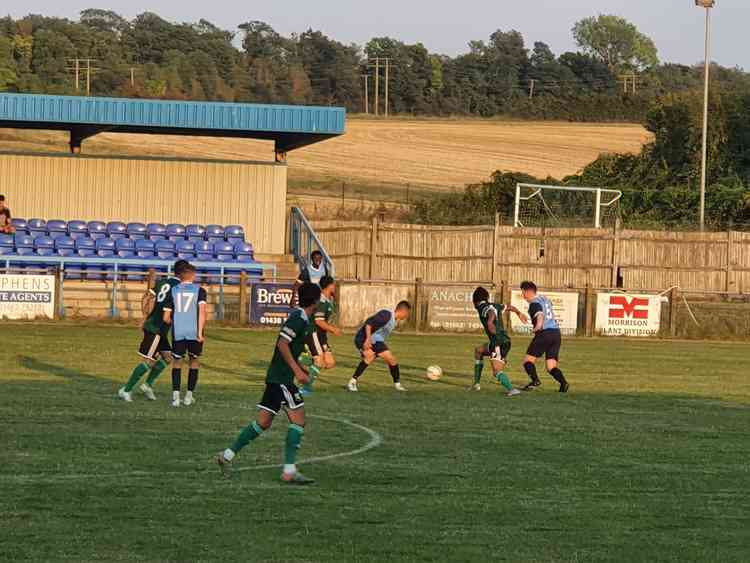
x,y
446,27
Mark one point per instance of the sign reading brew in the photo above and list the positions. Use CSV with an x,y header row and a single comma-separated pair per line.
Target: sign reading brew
x,y
27,297
452,309
270,303
618,314
565,306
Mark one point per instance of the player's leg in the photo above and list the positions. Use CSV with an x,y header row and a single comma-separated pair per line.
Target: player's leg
x,y
499,360
480,352
180,351
329,360
535,350
552,356
269,406
147,351
295,411
195,350
163,360
368,356
384,353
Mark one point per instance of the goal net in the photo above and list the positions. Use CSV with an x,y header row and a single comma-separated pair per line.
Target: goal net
x,y
565,206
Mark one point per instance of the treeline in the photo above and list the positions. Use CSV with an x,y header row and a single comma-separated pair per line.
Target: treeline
x,y
661,185
151,57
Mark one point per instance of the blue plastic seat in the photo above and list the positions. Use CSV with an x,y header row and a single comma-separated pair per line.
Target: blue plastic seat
x,y
234,233
125,247
78,229
156,232
37,227
44,246
214,233
165,250
97,230
187,246
57,228
136,231
224,251
65,246
242,248
85,248
175,232
7,245
117,230
195,233
105,248
144,249
20,224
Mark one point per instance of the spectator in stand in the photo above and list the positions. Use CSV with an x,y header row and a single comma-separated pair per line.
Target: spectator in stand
x,y
5,225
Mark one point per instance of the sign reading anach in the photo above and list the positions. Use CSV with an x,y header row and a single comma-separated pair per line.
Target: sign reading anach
x,y
270,303
451,309
565,306
27,297
618,314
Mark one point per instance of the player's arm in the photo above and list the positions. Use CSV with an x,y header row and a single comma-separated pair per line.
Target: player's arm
x,y
521,315
324,325
286,353
202,298
491,318
368,337
168,306
537,316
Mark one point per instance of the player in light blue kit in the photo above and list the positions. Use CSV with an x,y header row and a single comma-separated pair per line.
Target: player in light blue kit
x,y
370,341
547,338
185,309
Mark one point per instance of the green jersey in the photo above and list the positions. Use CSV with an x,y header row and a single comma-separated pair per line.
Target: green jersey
x,y
485,311
295,330
324,311
162,290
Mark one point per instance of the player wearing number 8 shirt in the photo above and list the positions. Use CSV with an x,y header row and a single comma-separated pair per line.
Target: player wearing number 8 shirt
x,y
547,338
185,310
154,349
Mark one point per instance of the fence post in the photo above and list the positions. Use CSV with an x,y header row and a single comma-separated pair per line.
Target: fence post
x,y
730,241
115,281
243,298
373,246
673,297
496,249
151,278
59,305
615,252
589,320
220,311
418,304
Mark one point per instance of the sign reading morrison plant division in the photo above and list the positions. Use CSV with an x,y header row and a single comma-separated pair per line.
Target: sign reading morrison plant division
x,y
27,297
618,314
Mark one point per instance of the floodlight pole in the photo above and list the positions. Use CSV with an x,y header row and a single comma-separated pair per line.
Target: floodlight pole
x,y
598,211
707,4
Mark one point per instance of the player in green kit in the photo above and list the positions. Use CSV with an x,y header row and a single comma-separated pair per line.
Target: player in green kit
x,y
490,315
155,349
317,342
281,391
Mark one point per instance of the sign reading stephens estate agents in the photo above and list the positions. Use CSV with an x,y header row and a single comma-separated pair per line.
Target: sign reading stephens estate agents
x,y
27,297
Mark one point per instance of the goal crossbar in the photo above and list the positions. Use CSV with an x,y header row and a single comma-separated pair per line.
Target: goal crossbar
x,y
603,198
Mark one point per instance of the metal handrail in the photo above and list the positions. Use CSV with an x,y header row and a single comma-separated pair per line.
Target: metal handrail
x,y
298,226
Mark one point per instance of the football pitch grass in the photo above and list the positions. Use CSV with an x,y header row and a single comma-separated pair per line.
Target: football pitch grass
x,y
647,459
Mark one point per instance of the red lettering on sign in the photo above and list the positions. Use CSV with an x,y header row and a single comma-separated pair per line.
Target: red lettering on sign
x,y
621,307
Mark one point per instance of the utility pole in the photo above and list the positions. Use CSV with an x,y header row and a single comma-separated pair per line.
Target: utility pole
x,y
531,88
77,68
88,77
132,77
367,94
377,86
387,69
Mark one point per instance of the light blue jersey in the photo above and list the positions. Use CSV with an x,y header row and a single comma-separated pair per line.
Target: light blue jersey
x,y
540,305
184,302
382,333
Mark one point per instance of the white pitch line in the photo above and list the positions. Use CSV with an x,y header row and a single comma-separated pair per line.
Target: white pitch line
x,y
375,440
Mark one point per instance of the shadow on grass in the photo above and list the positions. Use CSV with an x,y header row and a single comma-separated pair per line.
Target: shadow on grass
x,y
39,366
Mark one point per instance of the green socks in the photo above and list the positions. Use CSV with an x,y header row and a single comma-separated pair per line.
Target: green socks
x,y
293,440
159,367
248,434
504,381
139,371
478,367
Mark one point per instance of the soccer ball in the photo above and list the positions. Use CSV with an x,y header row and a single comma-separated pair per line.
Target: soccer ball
x,y
434,373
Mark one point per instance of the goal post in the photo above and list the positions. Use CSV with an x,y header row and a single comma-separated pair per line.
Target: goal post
x,y
564,206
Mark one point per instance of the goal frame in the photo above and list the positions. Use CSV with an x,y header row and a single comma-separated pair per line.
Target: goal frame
x,y
603,198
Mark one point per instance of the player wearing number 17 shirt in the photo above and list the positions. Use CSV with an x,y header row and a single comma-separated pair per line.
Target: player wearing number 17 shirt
x,y
185,310
547,338
155,350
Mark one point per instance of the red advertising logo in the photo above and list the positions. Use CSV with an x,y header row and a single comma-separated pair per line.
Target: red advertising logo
x,y
620,307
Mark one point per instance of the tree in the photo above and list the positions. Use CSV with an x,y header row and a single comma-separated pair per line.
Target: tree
x,y
616,42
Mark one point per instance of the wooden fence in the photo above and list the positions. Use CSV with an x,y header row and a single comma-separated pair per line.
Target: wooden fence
x,y
561,258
